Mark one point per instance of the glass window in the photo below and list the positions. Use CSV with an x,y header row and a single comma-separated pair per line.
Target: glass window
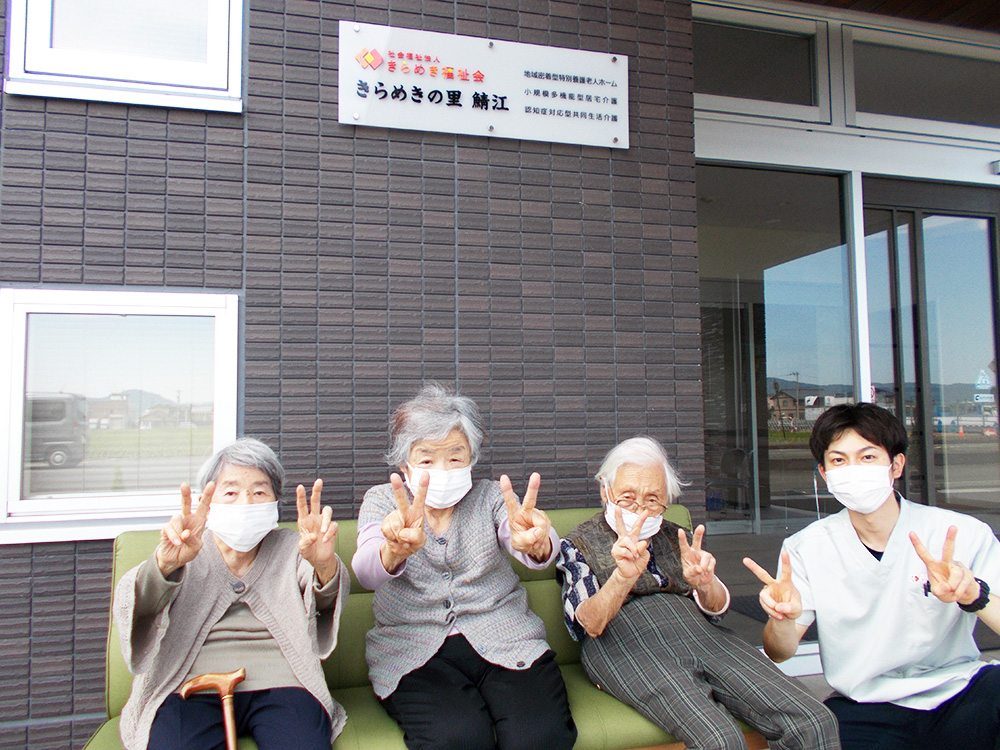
x,y
116,398
184,53
961,355
776,337
891,333
752,63
926,84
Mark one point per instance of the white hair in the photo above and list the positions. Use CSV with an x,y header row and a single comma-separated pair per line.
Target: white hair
x,y
430,415
640,451
249,452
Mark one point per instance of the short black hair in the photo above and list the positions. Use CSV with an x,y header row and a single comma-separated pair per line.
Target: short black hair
x,y
875,424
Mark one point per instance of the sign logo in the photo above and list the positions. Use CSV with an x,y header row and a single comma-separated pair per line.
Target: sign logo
x,y
369,58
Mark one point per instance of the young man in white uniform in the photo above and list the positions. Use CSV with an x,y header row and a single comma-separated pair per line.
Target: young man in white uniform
x,y
895,589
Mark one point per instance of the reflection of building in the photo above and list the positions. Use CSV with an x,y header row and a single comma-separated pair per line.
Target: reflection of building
x,y
116,412
783,405
167,414
160,416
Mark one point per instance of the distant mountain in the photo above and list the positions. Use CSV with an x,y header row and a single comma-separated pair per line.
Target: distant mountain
x,y
950,394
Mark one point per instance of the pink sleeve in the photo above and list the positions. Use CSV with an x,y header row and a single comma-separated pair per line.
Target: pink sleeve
x,y
503,536
367,562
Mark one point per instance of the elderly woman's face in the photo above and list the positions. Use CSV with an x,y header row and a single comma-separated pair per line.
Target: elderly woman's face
x,y
242,485
453,452
639,488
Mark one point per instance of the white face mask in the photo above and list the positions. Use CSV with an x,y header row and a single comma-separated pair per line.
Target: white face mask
x,y
242,526
446,488
860,488
649,527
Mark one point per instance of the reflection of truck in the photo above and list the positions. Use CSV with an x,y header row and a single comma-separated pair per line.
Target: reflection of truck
x,y
55,428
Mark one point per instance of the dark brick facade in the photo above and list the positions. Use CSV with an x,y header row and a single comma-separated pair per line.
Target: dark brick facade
x,y
555,284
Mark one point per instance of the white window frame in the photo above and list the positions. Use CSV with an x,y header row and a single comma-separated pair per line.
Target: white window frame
x,y
921,43
767,21
97,515
34,68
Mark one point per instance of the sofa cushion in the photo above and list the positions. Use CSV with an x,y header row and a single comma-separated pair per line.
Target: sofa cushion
x,y
604,723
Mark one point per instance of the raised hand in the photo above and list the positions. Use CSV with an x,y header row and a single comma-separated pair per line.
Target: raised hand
x,y
950,580
631,553
317,533
529,527
403,529
180,538
779,598
697,564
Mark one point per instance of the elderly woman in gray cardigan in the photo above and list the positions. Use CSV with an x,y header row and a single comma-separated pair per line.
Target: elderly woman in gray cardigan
x,y
224,589
456,656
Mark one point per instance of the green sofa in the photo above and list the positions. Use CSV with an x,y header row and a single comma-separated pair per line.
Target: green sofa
x,y
603,722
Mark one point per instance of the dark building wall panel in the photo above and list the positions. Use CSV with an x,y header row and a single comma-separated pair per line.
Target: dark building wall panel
x,y
555,284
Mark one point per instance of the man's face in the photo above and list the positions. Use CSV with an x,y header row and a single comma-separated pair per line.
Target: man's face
x,y
850,449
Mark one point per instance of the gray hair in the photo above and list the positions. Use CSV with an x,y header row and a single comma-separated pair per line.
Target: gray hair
x,y
431,415
641,451
245,451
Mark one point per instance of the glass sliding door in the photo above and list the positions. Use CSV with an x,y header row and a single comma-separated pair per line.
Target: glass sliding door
x,y
932,299
961,361
889,239
776,338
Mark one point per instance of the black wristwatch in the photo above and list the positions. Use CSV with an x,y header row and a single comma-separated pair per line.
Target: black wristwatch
x,y
982,600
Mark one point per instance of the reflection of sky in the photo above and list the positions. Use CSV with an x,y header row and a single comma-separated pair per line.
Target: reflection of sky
x,y
806,318
959,307
960,330
177,30
97,355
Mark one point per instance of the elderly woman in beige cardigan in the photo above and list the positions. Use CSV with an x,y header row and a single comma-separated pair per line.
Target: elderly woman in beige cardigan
x,y
224,589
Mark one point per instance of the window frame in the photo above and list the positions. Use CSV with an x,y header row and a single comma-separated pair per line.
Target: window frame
x,y
61,518
35,69
852,32
818,29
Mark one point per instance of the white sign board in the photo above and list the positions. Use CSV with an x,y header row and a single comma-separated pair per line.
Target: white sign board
x,y
423,80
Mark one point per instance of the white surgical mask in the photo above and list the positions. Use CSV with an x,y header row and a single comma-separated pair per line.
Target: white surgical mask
x,y
649,527
861,488
446,488
242,526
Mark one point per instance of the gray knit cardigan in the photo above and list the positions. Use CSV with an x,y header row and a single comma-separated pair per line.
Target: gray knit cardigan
x,y
278,589
462,577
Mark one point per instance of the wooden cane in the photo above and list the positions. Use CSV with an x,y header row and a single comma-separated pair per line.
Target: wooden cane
x,y
223,684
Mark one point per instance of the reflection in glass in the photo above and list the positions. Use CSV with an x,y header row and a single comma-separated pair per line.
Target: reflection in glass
x,y
926,85
776,336
961,355
748,63
888,237
175,30
116,403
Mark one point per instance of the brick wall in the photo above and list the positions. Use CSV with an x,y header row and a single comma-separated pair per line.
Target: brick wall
x,y
555,284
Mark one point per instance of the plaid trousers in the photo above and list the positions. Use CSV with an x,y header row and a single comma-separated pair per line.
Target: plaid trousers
x,y
662,657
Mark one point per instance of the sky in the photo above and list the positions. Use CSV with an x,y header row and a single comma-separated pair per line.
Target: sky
x,y
97,355
808,329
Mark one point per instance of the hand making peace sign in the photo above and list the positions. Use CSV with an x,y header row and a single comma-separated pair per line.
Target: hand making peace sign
x,y
779,599
180,538
529,527
631,553
317,533
403,528
950,581
697,564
